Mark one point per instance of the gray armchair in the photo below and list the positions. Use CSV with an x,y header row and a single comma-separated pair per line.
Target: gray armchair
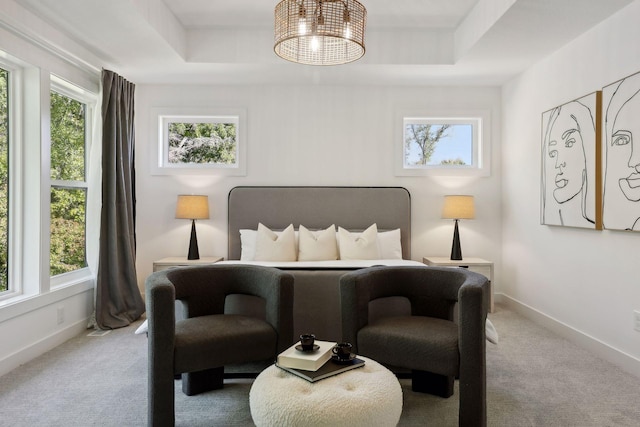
x,y
404,317
208,338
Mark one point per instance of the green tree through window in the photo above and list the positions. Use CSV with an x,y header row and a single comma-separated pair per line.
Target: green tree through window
x,y
425,137
68,191
212,143
435,142
4,180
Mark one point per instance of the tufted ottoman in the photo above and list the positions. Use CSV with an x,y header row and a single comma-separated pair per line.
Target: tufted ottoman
x,y
367,396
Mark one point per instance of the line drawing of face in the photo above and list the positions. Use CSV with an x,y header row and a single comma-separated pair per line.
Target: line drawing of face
x,y
622,147
569,150
566,147
622,173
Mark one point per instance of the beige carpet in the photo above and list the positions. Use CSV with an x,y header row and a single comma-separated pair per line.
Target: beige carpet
x,y
534,378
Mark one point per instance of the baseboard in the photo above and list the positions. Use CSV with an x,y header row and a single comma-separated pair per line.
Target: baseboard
x,y
619,358
38,348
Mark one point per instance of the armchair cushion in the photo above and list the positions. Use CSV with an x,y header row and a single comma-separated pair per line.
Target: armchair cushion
x,y
414,342
218,340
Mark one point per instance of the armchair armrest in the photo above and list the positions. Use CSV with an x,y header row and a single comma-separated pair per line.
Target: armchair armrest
x,y
473,305
160,298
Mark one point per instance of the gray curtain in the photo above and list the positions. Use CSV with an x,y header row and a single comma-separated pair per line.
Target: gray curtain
x,y
118,299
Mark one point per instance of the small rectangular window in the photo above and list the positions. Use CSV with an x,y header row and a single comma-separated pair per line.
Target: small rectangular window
x,y
209,141
431,145
430,142
200,141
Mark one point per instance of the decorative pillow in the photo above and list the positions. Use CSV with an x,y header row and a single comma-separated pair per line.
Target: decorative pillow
x,y
247,244
318,245
271,246
389,244
359,245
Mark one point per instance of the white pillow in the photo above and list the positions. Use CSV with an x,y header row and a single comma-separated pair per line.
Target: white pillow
x,y
271,246
359,245
389,244
247,244
318,245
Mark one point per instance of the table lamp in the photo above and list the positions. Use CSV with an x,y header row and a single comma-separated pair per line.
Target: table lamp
x,y
457,207
193,207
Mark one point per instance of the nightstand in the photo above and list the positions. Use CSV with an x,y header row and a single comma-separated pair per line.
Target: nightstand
x,y
477,265
181,261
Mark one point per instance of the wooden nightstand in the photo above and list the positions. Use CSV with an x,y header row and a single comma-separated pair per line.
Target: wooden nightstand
x,y
477,265
181,261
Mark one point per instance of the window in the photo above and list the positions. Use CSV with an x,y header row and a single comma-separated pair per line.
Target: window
x,y
432,145
69,135
430,142
43,151
4,180
206,142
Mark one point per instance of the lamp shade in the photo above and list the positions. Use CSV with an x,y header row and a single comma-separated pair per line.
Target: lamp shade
x,y
192,207
320,32
458,207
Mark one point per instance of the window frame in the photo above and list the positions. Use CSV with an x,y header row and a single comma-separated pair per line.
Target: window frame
x,y
70,90
160,119
478,119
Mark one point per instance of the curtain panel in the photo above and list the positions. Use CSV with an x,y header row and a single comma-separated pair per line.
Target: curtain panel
x,y
118,298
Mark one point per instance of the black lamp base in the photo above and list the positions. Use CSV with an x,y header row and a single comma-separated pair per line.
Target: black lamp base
x,y
193,243
456,250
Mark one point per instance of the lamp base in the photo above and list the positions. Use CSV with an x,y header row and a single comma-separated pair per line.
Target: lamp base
x,y
193,243
456,250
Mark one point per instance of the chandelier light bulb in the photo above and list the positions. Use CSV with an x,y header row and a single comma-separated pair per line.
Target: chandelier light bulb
x,y
346,17
315,44
302,20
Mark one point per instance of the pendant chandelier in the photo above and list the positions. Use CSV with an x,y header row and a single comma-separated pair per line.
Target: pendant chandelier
x,y
320,32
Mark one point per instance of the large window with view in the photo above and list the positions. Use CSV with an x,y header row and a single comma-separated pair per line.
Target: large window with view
x,y
69,130
4,180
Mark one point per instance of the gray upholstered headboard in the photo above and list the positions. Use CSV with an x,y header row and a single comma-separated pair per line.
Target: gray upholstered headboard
x,y
353,208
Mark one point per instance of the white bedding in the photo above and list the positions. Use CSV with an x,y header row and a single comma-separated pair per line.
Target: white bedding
x,y
331,265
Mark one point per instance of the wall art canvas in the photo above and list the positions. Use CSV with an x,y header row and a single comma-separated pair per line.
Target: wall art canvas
x,y
621,192
571,164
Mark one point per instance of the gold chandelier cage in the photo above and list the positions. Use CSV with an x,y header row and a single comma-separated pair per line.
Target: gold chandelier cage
x,y
320,32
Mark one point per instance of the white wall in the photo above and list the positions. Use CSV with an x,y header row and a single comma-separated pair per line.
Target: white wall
x,y
582,282
314,135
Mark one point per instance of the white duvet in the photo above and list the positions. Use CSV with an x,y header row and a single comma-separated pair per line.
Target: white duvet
x,y
334,264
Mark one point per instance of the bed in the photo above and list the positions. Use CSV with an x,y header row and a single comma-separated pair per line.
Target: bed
x,y
316,286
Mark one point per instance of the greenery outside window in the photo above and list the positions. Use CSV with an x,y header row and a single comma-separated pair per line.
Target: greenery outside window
x,y
4,180
440,145
68,198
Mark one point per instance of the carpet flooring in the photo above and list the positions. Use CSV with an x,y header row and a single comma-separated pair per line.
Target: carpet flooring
x,y
534,378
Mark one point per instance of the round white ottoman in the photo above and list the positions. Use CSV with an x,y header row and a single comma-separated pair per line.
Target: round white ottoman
x,y
367,396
